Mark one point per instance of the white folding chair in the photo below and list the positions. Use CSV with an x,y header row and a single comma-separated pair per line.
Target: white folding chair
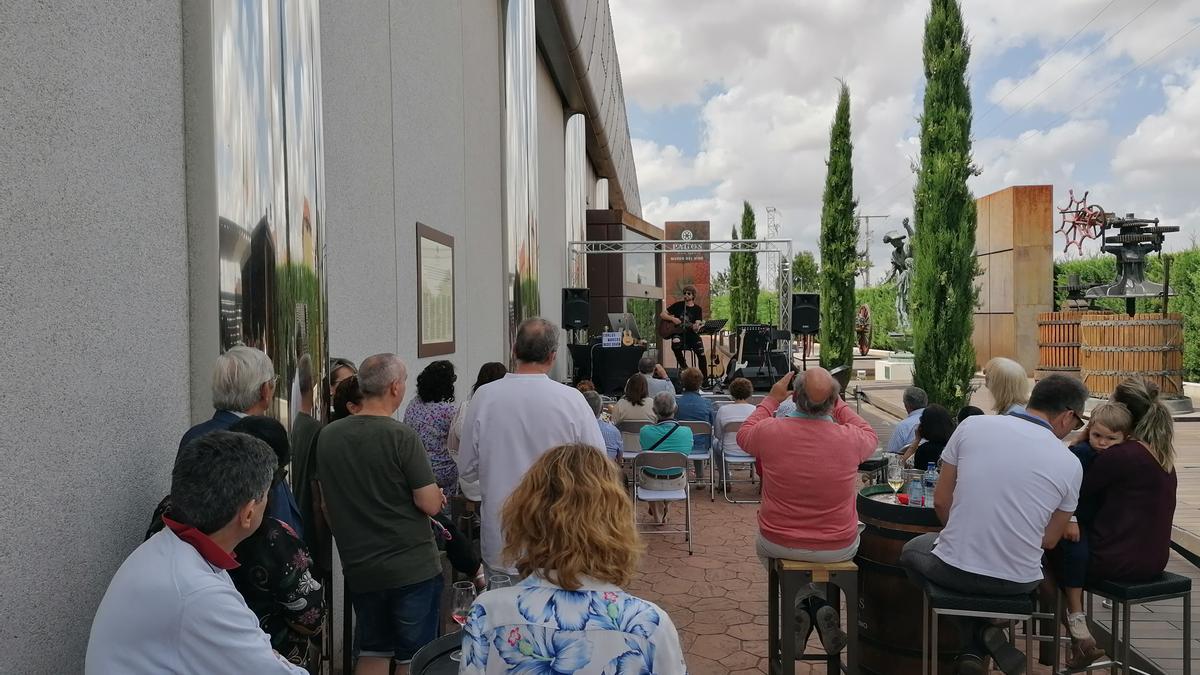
x,y
737,457
663,461
704,455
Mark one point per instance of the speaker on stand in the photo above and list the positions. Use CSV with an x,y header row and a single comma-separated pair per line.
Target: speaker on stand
x,y
806,320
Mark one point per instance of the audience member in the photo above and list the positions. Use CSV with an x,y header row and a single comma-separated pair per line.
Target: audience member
x,y
915,399
635,405
584,386
931,437
1127,544
1006,381
1017,460
740,390
513,421
347,399
656,376
430,414
695,408
488,372
243,384
171,607
379,492
612,435
809,464
305,427
1110,424
339,370
665,436
969,411
568,528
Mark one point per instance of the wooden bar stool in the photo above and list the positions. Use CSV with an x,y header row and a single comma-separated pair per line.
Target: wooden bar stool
x,y
785,578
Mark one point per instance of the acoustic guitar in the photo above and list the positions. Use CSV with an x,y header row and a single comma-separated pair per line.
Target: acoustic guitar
x,y
668,329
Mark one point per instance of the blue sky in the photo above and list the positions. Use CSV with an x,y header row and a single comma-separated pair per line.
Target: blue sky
x,y
732,101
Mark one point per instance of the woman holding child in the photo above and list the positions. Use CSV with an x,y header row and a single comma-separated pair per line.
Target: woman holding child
x,y
1126,503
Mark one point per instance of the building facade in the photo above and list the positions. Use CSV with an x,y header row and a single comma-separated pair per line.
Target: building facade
x,y
180,177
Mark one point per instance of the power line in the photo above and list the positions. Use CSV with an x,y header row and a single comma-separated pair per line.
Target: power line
x,y
1068,71
1052,55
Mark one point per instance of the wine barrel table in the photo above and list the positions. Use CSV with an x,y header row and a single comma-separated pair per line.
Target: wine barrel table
x,y
1058,344
1115,347
889,625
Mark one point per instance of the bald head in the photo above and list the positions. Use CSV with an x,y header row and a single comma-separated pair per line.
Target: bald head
x,y
816,391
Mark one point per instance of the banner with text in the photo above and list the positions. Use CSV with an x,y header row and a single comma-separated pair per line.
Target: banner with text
x,y
686,264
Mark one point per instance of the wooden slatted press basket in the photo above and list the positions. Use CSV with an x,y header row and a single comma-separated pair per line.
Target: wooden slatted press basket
x,y
1114,347
1058,344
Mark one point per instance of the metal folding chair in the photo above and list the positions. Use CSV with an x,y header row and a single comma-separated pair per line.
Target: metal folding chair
x,y
662,461
739,459
705,455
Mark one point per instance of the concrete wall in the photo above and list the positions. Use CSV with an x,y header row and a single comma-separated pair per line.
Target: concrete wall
x,y
93,294
412,109
552,206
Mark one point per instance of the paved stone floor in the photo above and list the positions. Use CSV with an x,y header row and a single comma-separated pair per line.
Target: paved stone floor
x,y
717,597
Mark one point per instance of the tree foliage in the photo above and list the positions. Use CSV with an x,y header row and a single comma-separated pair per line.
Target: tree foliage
x,y
839,242
744,273
805,273
943,295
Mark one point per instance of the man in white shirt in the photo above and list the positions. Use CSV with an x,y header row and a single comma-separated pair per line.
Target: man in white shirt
x,y
915,400
1007,490
171,607
513,421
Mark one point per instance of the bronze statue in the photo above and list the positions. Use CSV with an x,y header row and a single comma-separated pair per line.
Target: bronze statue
x,y
901,273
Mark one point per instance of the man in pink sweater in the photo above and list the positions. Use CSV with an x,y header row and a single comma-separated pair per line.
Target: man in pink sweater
x,y
809,464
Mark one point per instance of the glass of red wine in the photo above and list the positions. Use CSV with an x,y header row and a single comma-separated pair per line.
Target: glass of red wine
x,y
461,601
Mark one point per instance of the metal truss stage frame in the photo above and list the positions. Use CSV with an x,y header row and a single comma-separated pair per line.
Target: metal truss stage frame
x,y
774,250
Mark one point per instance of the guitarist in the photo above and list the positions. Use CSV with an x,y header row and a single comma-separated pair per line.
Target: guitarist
x,y
688,318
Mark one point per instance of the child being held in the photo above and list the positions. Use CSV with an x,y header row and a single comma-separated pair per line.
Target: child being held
x,y
1110,424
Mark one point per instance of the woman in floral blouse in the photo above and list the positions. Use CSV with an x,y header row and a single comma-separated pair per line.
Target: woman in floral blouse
x,y
430,415
569,527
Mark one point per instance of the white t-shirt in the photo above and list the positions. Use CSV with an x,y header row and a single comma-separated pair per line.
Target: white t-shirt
x,y
510,424
1013,474
730,412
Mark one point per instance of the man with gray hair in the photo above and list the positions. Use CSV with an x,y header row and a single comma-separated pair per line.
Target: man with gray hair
x,y
513,421
809,465
171,607
1007,490
611,434
379,492
647,366
243,383
915,399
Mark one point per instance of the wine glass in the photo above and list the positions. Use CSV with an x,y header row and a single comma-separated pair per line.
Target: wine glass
x,y
496,581
895,475
464,597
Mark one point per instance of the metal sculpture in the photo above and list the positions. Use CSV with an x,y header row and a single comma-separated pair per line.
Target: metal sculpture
x,y
1080,222
901,272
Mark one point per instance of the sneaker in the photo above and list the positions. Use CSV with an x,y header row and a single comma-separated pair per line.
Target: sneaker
x,y
804,626
1083,653
829,626
1009,659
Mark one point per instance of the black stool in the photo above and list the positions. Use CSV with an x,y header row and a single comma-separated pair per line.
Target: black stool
x,y
783,583
939,601
1123,596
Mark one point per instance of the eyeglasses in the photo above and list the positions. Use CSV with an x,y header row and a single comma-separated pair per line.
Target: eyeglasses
x,y
1078,421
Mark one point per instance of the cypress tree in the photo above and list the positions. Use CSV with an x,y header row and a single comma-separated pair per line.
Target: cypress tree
x,y
735,281
943,296
839,243
748,267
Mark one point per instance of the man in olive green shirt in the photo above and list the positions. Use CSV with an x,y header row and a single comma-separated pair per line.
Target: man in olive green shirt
x,y
379,492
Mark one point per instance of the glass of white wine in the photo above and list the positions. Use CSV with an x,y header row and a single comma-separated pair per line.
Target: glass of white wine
x,y
895,475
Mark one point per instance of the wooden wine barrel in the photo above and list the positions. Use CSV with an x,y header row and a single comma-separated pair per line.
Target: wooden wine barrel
x,y
1116,347
1058,343
889,625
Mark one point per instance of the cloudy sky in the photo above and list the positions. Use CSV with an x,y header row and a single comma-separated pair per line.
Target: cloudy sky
x,y
732,100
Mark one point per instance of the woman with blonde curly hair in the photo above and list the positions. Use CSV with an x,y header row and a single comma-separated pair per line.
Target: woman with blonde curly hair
x,y
568,528
1005,379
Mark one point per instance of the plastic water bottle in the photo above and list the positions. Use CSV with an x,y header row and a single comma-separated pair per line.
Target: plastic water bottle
x,y
930,486
916,491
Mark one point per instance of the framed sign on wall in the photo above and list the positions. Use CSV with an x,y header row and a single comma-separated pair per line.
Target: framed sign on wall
x,y
435,298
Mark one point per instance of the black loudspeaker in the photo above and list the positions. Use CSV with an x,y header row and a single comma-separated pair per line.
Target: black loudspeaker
x,y
764,377
576,306
806,313
753,343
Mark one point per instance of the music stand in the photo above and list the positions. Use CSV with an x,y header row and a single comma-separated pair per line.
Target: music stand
x,y
774,335
710,327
